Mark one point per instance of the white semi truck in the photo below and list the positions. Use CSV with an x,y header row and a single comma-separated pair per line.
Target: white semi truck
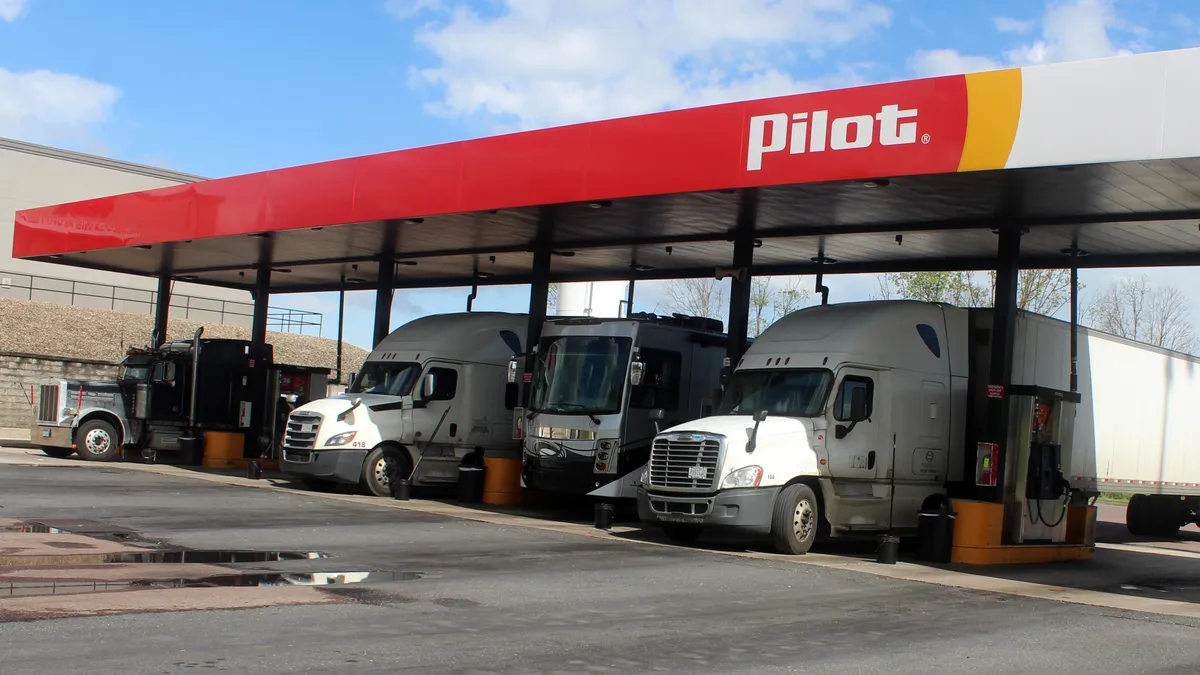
x,y
848,418
597,383
433,390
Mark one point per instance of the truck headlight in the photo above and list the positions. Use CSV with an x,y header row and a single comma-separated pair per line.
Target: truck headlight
x,y
340,440
743,478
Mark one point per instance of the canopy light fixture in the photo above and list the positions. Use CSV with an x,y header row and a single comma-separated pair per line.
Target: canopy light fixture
x,y
281,270
416,221
820,259
876,183
261,235
144,247
1076,252
643,268
602,204
484,275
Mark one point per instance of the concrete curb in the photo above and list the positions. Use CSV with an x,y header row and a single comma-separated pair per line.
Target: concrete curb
x,y
900,571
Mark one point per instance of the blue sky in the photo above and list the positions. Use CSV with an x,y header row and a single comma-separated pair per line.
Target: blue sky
x,y
223,87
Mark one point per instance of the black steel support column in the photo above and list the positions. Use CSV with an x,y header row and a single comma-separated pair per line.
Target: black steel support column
x,y
341,324
1004,324
739,291
386,282
629,299
1074,251
383,298
258,437
162,311
539,290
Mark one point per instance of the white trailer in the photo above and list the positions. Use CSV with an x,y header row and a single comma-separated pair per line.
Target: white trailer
x,y
847,418
434,389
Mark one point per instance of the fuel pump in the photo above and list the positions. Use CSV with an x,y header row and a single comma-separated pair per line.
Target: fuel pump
x,y
1036,490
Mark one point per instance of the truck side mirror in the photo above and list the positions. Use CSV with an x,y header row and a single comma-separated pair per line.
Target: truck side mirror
x,y
759,417
657,414
637,370
427,384
512,340
858,412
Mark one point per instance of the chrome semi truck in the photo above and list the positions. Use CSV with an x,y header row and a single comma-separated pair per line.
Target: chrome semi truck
x,y
431,391
598,385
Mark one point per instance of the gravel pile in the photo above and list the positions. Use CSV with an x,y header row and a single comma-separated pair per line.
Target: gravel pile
x,y
66,331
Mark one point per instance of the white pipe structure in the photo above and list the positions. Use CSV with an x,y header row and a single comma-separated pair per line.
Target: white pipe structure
x,y
601,299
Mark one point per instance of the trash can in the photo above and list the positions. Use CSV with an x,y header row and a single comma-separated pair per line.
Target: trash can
x,y
935,531
470,477
191,451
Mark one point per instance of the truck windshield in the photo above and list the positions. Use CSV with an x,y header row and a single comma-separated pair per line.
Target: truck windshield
x,y
788,393
390,379
134,372
581,375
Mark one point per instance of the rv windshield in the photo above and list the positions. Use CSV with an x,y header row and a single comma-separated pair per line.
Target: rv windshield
x,y
390,378
788,393
581,375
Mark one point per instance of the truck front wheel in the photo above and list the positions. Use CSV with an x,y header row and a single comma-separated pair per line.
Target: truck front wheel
x,y
97,441
378,466
796,519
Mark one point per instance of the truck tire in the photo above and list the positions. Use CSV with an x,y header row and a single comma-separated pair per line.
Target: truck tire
x,y
796,520
58,453
375,469
1154,516
683,534
97,441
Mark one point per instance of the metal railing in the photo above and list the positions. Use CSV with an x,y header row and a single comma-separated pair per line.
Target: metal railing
x,y
19,286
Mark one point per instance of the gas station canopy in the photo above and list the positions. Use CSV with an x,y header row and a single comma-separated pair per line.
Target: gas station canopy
x,y
1103,155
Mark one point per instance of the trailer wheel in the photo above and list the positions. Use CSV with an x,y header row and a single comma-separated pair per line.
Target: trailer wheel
x,y
683,534
1154,516
796,520
58,453
97,441
376,469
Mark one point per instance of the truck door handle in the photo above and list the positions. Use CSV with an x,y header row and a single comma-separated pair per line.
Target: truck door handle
x,y
870,460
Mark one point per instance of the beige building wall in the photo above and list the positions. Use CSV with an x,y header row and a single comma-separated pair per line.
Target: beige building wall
x,y
32,176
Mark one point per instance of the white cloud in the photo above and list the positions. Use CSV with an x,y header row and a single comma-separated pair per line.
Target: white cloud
x,y
937,62
1006,24
542,62
1070,31
11,10
405,9
1182,21
46,107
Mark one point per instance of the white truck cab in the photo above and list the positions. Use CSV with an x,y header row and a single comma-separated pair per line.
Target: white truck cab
x,y
434,390
802,444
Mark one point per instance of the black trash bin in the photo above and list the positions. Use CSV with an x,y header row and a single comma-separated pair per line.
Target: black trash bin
x,y
935,531
191,451
470,478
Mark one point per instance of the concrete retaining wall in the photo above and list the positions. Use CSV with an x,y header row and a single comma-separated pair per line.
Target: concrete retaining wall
x,y
20,371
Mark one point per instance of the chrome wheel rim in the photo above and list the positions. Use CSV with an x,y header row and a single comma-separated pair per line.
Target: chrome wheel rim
x,y
97,441
804,519
381,471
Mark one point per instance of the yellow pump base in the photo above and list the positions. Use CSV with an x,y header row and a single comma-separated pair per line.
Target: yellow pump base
x,y
979,528
502,482
223,449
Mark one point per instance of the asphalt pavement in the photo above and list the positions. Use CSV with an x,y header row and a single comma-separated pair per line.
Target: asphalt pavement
x,y
479,598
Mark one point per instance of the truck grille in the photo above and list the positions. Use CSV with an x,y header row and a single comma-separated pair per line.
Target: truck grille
x,y
48,403
675,463
301,433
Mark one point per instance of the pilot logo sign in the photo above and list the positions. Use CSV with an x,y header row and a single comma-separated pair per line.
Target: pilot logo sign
x,y
802,133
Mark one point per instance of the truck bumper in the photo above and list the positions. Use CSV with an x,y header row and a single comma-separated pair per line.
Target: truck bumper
x,y
48,436
339,466
747,509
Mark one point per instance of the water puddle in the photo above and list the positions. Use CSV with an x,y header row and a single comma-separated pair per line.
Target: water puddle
x,y
213,556
234,579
